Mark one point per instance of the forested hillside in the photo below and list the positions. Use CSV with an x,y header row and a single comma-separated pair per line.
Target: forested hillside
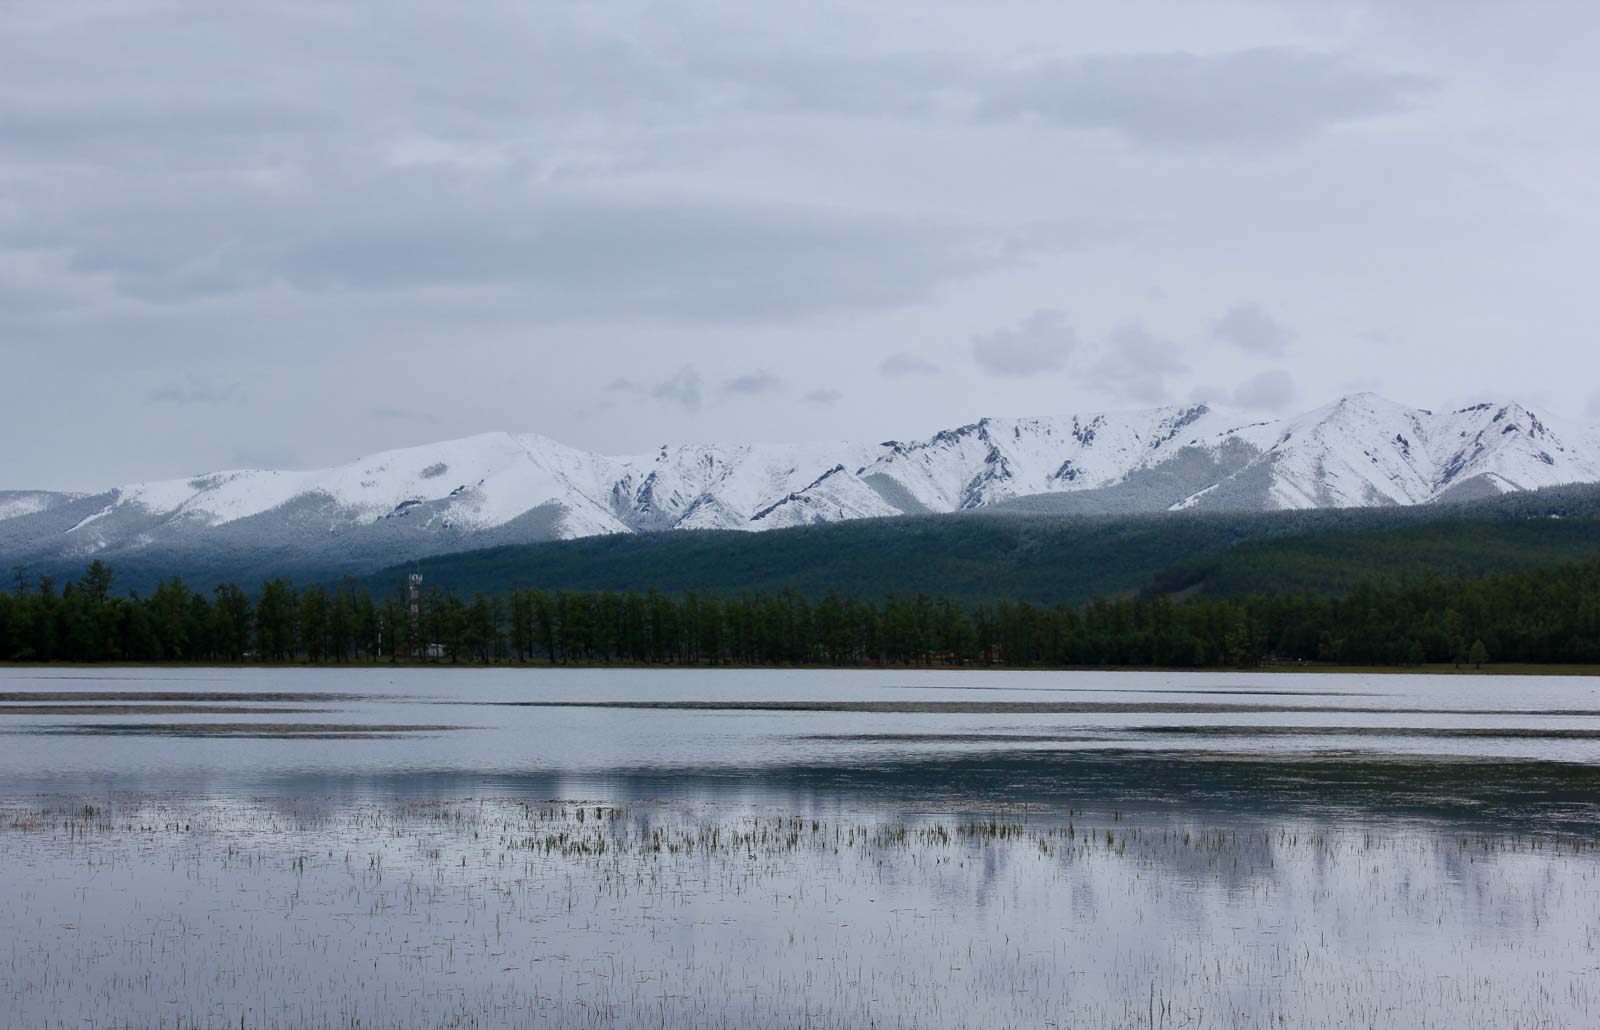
x,y
1051,559
1331,563
973,557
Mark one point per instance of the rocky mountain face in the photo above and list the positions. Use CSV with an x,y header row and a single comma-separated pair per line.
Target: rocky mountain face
x,y
507,488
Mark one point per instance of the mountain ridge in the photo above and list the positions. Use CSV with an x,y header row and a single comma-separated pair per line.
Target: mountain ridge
x,y
493,488
993,555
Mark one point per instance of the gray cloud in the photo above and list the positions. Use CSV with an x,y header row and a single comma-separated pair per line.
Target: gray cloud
x,y
1257,96
682,388
823,396
501,63
1268,95
560,257
754,384
1252,330
197,391
145,126
463,177
1270,391
217,174
264,454
491,212
1592,409
662,259
394,414
903,363
1042,342
1136,365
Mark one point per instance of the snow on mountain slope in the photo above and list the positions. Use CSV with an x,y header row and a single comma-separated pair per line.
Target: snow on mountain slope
x,y
17,503
484,481
743,487
500,487
1364,450
1515,448
1357,451
998,459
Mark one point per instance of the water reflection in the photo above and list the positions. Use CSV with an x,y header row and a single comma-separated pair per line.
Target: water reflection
x,y
1501,752
469,847
385,912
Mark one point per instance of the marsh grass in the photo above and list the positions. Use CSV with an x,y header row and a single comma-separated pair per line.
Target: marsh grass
x,y
481,913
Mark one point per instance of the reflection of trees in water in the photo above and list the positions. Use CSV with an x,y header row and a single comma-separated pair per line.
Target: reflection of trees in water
x,y
1467,795
1455,796
726,914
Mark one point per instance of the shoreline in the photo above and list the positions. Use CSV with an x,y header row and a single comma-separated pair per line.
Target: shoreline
x,y
1491,669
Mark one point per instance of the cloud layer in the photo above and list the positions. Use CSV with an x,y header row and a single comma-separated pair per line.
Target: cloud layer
x,y
315,231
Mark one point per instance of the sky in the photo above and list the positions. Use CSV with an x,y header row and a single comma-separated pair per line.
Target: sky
x,y
238,235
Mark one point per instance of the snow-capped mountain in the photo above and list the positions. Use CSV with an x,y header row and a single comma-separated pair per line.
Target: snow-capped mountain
x,y
502,488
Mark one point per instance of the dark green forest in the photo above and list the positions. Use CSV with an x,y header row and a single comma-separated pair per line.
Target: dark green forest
x,y
1336,563
983,556
986,558
1542,616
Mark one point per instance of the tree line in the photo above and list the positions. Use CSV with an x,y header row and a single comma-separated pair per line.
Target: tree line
x,y
1548,615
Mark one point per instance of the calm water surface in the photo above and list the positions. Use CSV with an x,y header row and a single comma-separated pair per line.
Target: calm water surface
x,y
1471,743
627,847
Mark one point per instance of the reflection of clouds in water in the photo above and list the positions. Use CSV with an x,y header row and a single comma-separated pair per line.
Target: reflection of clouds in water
x,y
454,908
865,863
1096,752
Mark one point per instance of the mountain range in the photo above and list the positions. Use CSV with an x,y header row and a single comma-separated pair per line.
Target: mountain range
x,y
499,488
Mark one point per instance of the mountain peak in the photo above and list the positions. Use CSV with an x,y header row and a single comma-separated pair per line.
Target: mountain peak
x,y
499,487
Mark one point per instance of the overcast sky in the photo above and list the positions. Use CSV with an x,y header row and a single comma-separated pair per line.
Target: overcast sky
x,y
257,234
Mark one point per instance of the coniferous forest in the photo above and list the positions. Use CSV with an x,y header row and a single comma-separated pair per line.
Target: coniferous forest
x,y
1549,615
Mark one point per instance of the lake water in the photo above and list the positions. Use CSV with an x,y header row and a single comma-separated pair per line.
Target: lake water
x,y
831,848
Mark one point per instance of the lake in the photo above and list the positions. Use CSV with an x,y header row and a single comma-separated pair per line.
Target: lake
x,y
457,846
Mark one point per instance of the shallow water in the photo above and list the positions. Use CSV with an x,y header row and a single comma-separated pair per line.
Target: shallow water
x,y
391,913
218,730
404,847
